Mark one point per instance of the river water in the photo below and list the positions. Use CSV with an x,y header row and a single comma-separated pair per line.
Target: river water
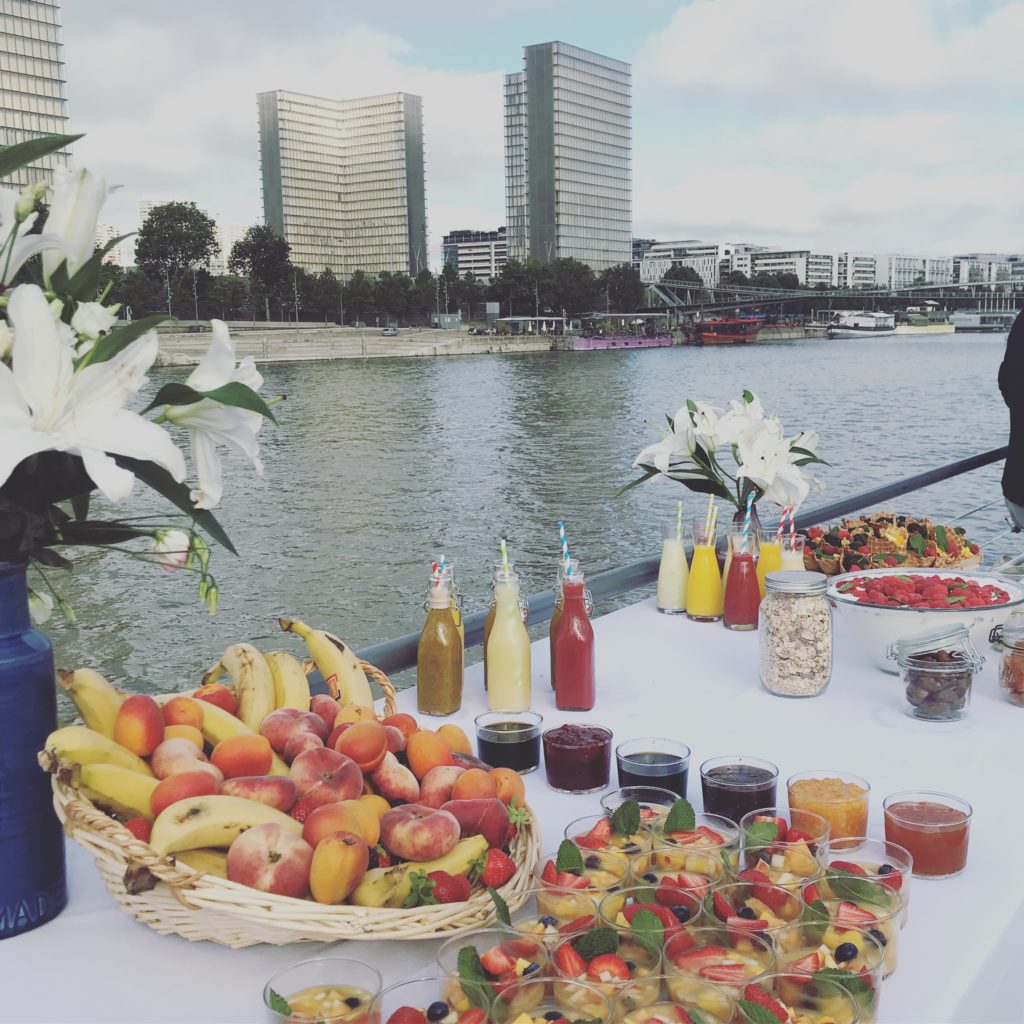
x,y
379,466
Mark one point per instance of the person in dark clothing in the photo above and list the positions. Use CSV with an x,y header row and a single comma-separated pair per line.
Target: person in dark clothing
x,y
1011,384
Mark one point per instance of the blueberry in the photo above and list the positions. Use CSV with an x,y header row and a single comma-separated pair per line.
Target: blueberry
x,y
630,965
882,940
631,848
651,877
846,951
593,861
747,913
548,921
553,1015
532,969
576,871
681,912
438,1011
886,869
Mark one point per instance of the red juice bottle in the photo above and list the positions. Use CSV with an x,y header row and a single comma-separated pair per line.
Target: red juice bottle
x,y
575,687
742,593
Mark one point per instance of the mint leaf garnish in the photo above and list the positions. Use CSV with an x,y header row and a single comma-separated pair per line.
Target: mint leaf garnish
x,y
681,817
569,858
848,886
279,1004
500,906
474,979
648,931
761,833
596,942
816,921
853,983
696,1017
626,818
756,1013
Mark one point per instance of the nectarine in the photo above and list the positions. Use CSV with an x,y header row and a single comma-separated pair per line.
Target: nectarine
x,y
273,790
219,694
455,739
175,756
300,742
415,832
510,786
139,725
181,787
395,782
326,707
183,710
339,863
436,787
243,755
366,743
474,784
406,723
426,750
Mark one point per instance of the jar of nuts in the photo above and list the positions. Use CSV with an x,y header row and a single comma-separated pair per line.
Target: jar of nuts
x,y
1011,668
938,671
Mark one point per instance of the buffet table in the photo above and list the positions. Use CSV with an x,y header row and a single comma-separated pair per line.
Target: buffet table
x,y
657,676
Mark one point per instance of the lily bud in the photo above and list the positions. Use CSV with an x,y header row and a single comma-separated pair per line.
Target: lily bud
x,y
212,598
40,607
170,549
28,200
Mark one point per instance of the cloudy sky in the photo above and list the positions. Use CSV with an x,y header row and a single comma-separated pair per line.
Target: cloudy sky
x,y
887,125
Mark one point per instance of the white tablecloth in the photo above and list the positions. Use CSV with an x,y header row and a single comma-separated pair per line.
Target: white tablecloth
x,y
657,676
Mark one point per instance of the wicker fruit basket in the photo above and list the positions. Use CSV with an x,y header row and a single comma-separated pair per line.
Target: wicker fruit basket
x,y
173,898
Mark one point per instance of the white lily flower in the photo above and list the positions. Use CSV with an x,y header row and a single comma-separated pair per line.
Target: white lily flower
x,y
40,607
675,446
705,424
6,340
75,204
170,549
91,319
23,245
46,406
767,462
210,423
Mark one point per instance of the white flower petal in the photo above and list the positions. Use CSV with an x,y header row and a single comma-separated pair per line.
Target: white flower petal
x,y
91,319
18,444
25,248
208,493
126,433
43,365
218,364
118,379
76,199
114,482
247,374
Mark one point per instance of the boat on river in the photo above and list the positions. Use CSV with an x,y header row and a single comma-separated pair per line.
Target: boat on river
x,y
731,331
602,331
978,321
861,323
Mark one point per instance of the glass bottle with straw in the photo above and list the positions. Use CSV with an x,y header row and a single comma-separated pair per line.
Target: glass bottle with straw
x,y
507,660
673,570
792,546
440,654
524,609
573,661
742,598
704,588
769,554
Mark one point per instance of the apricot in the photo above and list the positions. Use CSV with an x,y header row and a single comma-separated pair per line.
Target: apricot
x,y
344,816
184,732
455,739
181,787
510,786
366,743
473,784
139,725
219,694
354,713
243,755
425,750
379,805
339,863
183,710
403,722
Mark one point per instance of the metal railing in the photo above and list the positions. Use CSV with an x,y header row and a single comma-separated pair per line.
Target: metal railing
x,y
400,653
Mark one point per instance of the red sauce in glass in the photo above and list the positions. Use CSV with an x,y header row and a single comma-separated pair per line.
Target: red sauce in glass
x,y
935,834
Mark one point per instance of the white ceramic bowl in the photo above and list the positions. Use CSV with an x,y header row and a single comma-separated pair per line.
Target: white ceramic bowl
x,y
876,628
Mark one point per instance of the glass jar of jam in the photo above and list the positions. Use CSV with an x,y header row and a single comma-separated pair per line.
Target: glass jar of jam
x,y
938,670
578,758
1011,667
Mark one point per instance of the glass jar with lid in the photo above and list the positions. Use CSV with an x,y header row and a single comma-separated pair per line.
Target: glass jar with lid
x,y
1011,668
795,634
938,670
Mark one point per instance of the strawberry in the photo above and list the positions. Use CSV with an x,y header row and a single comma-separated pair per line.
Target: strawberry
x,y
684,838
723,911
745,924
891,878
496,962
695,960
407,1015
774,898
608,967
724,972
843,534
811,894
567,880
581,924
663,914
756,994
140,828
449,888
864,550
809,964
794,835
975,550
568,962
711,835
550,873
849,915
781,825
848,865
472,1017
597,838
499,867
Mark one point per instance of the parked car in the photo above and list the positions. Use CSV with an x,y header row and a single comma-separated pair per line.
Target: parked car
x,y
389,332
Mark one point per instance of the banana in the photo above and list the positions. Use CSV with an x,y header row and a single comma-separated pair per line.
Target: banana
x,y
212,821
96,699
291,687
338,664
209,862
219,724
78,744
389,887
125,792
254,685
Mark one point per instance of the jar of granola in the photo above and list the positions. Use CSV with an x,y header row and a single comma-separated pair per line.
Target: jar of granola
x,y
795,634
1011,667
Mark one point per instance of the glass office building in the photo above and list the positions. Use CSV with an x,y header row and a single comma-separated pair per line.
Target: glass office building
x,y
568,181
343,180
33,97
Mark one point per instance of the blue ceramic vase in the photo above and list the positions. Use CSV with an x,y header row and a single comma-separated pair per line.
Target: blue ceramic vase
x,y
33,888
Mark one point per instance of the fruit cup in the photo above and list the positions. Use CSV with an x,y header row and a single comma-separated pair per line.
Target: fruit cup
x,y
673,907
808,946
420,994
551,914
751,903
877,860
332,989
583,1003
632,1006
857,903
654,802
613,965
705,852
505,956
789,997
595,832
784,845
601,874
708,966
838,797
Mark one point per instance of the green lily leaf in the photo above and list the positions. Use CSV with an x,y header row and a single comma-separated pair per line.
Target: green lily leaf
x,y
118,339
22,153
234,393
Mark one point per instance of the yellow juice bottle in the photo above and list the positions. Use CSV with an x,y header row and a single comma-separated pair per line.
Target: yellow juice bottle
x,y
508,650
769,558
704,593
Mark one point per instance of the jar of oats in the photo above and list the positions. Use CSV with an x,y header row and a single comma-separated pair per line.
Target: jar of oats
x,y
795,634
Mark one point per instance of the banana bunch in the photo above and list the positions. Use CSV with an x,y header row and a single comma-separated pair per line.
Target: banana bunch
x,y
291,687
389,887
122,790
96,699
341,669
212,821
78,744
252,680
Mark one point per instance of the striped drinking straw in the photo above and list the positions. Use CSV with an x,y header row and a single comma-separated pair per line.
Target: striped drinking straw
x,y
782,521
504,559
709,519
792,525
440,569
567,562
746,521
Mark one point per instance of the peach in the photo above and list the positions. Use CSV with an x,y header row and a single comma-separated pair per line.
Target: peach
x,y
336,732
219,694
313,723
298,743
474,784
378,804
184,732
455,739
436,787
280,726
243,755
273,790
395,782
174,756
272,859
324,776
487,818
405,723
139,725
339,863
345,816
415,832
181,787
366,743
355,713
510,786
426,750
395,738
325,707
183,711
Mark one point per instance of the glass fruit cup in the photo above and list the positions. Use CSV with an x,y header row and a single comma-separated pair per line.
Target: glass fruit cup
x,y
654,802
601,874
753,905
802,948
858,904
673,907
586,1003
506,956
631,962
793,856
824,1002
423,994
632,1006
332,989
551,914
838,797
594,832
878,860
707,850
709,966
